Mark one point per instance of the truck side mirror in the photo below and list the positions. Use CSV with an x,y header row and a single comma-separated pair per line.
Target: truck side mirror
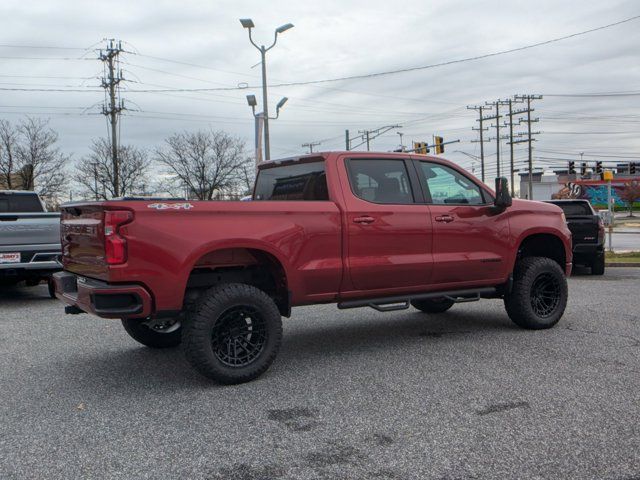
x,y
503,197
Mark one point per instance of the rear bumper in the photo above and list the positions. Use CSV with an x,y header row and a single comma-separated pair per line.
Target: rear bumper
x,y
35,260
101,298
587,248
587,252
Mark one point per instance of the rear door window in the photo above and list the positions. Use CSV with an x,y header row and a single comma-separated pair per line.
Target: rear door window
x,y
380,181
297,181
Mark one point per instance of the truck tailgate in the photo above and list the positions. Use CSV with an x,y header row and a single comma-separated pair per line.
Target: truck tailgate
x,y
29,229
82,233
584,229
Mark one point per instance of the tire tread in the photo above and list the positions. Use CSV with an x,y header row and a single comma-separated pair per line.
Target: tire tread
x,y
197,331
518,303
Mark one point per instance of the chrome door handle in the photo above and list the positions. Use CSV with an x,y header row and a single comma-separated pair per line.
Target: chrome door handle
x,y
444,218
364,220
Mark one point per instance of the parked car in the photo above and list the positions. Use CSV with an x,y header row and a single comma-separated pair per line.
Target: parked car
x,y
360,229
587,230
29,240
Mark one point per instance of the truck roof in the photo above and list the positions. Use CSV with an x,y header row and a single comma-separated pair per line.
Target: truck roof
x,y
18,192
368,154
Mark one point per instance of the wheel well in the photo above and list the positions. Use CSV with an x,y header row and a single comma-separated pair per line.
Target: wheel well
x,y
240,265
543,245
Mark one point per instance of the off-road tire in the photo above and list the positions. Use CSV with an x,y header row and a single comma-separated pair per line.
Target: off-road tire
x,y
233,313
597,267
539,294
433,305
149,337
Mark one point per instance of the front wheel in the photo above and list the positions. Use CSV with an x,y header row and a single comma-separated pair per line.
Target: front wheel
x,y
234,335
155,334
539,294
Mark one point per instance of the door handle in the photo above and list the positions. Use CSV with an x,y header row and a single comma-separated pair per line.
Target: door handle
x,y
444,218
364,220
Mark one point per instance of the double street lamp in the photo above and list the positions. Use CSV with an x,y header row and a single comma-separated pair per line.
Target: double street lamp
x,y
251,99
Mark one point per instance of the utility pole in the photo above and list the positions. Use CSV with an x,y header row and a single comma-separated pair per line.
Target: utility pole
x,y
529,136
497,118
511,146
114,105
480,110
346,140
310,145
511,157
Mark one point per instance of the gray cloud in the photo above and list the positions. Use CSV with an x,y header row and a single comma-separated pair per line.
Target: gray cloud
x,y
331,39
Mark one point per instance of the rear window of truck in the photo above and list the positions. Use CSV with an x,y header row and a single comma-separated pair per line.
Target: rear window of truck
x,y
19,203
298,181
575,209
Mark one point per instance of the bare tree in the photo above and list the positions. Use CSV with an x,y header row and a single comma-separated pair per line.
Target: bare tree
x,y
207,164
30,159
41,163
94,172
8,145
247,177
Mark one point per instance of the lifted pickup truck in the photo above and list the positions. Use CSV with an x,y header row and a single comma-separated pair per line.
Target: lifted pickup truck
x,y
360,229
29,239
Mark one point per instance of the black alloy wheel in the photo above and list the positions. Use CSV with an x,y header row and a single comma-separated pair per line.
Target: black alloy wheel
x,y
545,294
239,336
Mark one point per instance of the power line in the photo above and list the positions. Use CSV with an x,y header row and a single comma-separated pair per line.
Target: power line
x,y
384,73
5,57
42,47
468,59
632,93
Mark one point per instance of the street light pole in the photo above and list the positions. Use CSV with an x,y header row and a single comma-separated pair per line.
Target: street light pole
x,y
248,24
265,107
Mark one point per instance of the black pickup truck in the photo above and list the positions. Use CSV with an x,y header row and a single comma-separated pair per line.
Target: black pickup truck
x,y
587,231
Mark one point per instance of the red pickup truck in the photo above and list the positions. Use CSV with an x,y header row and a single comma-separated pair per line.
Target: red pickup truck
x,y
381,230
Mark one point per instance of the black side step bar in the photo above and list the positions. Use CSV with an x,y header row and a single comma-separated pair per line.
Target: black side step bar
x,y
389,304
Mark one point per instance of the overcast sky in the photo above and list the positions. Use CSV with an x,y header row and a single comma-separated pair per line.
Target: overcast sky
x,y
331,39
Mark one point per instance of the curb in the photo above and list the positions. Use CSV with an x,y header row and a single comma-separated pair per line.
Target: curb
x,y
622,264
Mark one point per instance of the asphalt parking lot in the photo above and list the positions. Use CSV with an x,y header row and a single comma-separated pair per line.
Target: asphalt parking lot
x,y
353,394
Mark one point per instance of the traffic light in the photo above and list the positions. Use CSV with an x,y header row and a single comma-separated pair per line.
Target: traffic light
x,y
599,168
572,167
583,169
420,147
439,145
632,168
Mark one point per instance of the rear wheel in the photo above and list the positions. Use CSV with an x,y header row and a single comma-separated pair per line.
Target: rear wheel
x,y
539,294
234,334
159,333
433,305
597,267
51,287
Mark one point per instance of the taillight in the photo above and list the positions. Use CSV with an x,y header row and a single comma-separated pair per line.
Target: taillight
x,y
115,246
600,229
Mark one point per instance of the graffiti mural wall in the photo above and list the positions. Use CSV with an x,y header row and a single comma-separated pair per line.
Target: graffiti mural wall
x,y
593,190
